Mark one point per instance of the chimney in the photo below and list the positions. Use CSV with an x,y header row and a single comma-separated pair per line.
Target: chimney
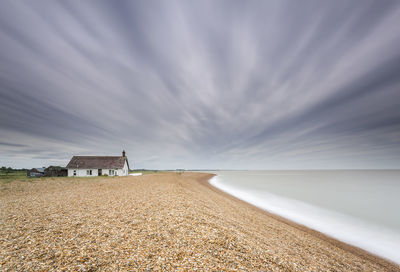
x,y
123,153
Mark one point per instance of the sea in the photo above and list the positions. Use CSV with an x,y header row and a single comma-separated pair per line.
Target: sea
x,y
358,207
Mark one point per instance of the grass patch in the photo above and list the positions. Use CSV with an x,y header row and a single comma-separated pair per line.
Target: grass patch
x,y
7,177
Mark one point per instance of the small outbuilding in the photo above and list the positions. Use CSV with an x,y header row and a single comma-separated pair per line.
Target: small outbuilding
x,y
89,166
35,172
55,171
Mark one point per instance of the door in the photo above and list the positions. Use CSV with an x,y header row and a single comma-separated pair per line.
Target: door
x,y
99,171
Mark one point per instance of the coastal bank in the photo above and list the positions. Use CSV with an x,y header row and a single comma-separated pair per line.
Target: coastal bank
x,y
157,222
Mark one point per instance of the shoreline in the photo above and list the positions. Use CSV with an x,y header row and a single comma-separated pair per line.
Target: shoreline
x,y
157,222
386,263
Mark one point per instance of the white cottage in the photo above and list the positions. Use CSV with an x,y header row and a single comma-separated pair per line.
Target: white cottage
x,y
88,166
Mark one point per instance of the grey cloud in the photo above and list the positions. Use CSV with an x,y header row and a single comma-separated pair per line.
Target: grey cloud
x,y
228,84
11,144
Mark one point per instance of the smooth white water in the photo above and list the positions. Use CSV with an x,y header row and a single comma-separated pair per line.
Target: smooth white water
x,y
359,207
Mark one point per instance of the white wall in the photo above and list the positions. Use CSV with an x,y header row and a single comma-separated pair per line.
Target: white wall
x,y
83,173
124,171
118,172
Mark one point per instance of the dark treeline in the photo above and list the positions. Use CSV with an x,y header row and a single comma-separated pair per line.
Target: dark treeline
x,y
10,169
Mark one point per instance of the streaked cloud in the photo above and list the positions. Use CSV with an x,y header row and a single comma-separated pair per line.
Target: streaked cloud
x,y
201,84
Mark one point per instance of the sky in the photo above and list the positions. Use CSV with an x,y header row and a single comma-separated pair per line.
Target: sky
x,y
201,84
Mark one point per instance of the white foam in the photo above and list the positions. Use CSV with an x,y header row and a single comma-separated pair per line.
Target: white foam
x,y
378,240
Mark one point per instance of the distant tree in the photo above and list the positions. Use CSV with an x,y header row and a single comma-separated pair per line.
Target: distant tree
x,y
3,168
9,170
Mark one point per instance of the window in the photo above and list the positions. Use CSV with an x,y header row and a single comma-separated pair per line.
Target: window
x,y
111,172
89,172
74,172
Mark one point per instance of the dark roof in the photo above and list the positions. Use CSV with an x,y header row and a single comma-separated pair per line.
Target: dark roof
x,y
97,162
37,170
55,167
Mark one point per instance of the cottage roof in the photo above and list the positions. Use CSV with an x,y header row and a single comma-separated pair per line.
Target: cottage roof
x,y
97,162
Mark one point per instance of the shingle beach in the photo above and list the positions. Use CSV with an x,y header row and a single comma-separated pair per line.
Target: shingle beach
x,y
157,222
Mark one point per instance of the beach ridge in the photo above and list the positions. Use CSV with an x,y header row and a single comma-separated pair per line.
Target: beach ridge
x,y
157,222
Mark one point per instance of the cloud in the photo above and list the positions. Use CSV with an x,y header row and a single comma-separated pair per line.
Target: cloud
x,y
11,144
193,84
